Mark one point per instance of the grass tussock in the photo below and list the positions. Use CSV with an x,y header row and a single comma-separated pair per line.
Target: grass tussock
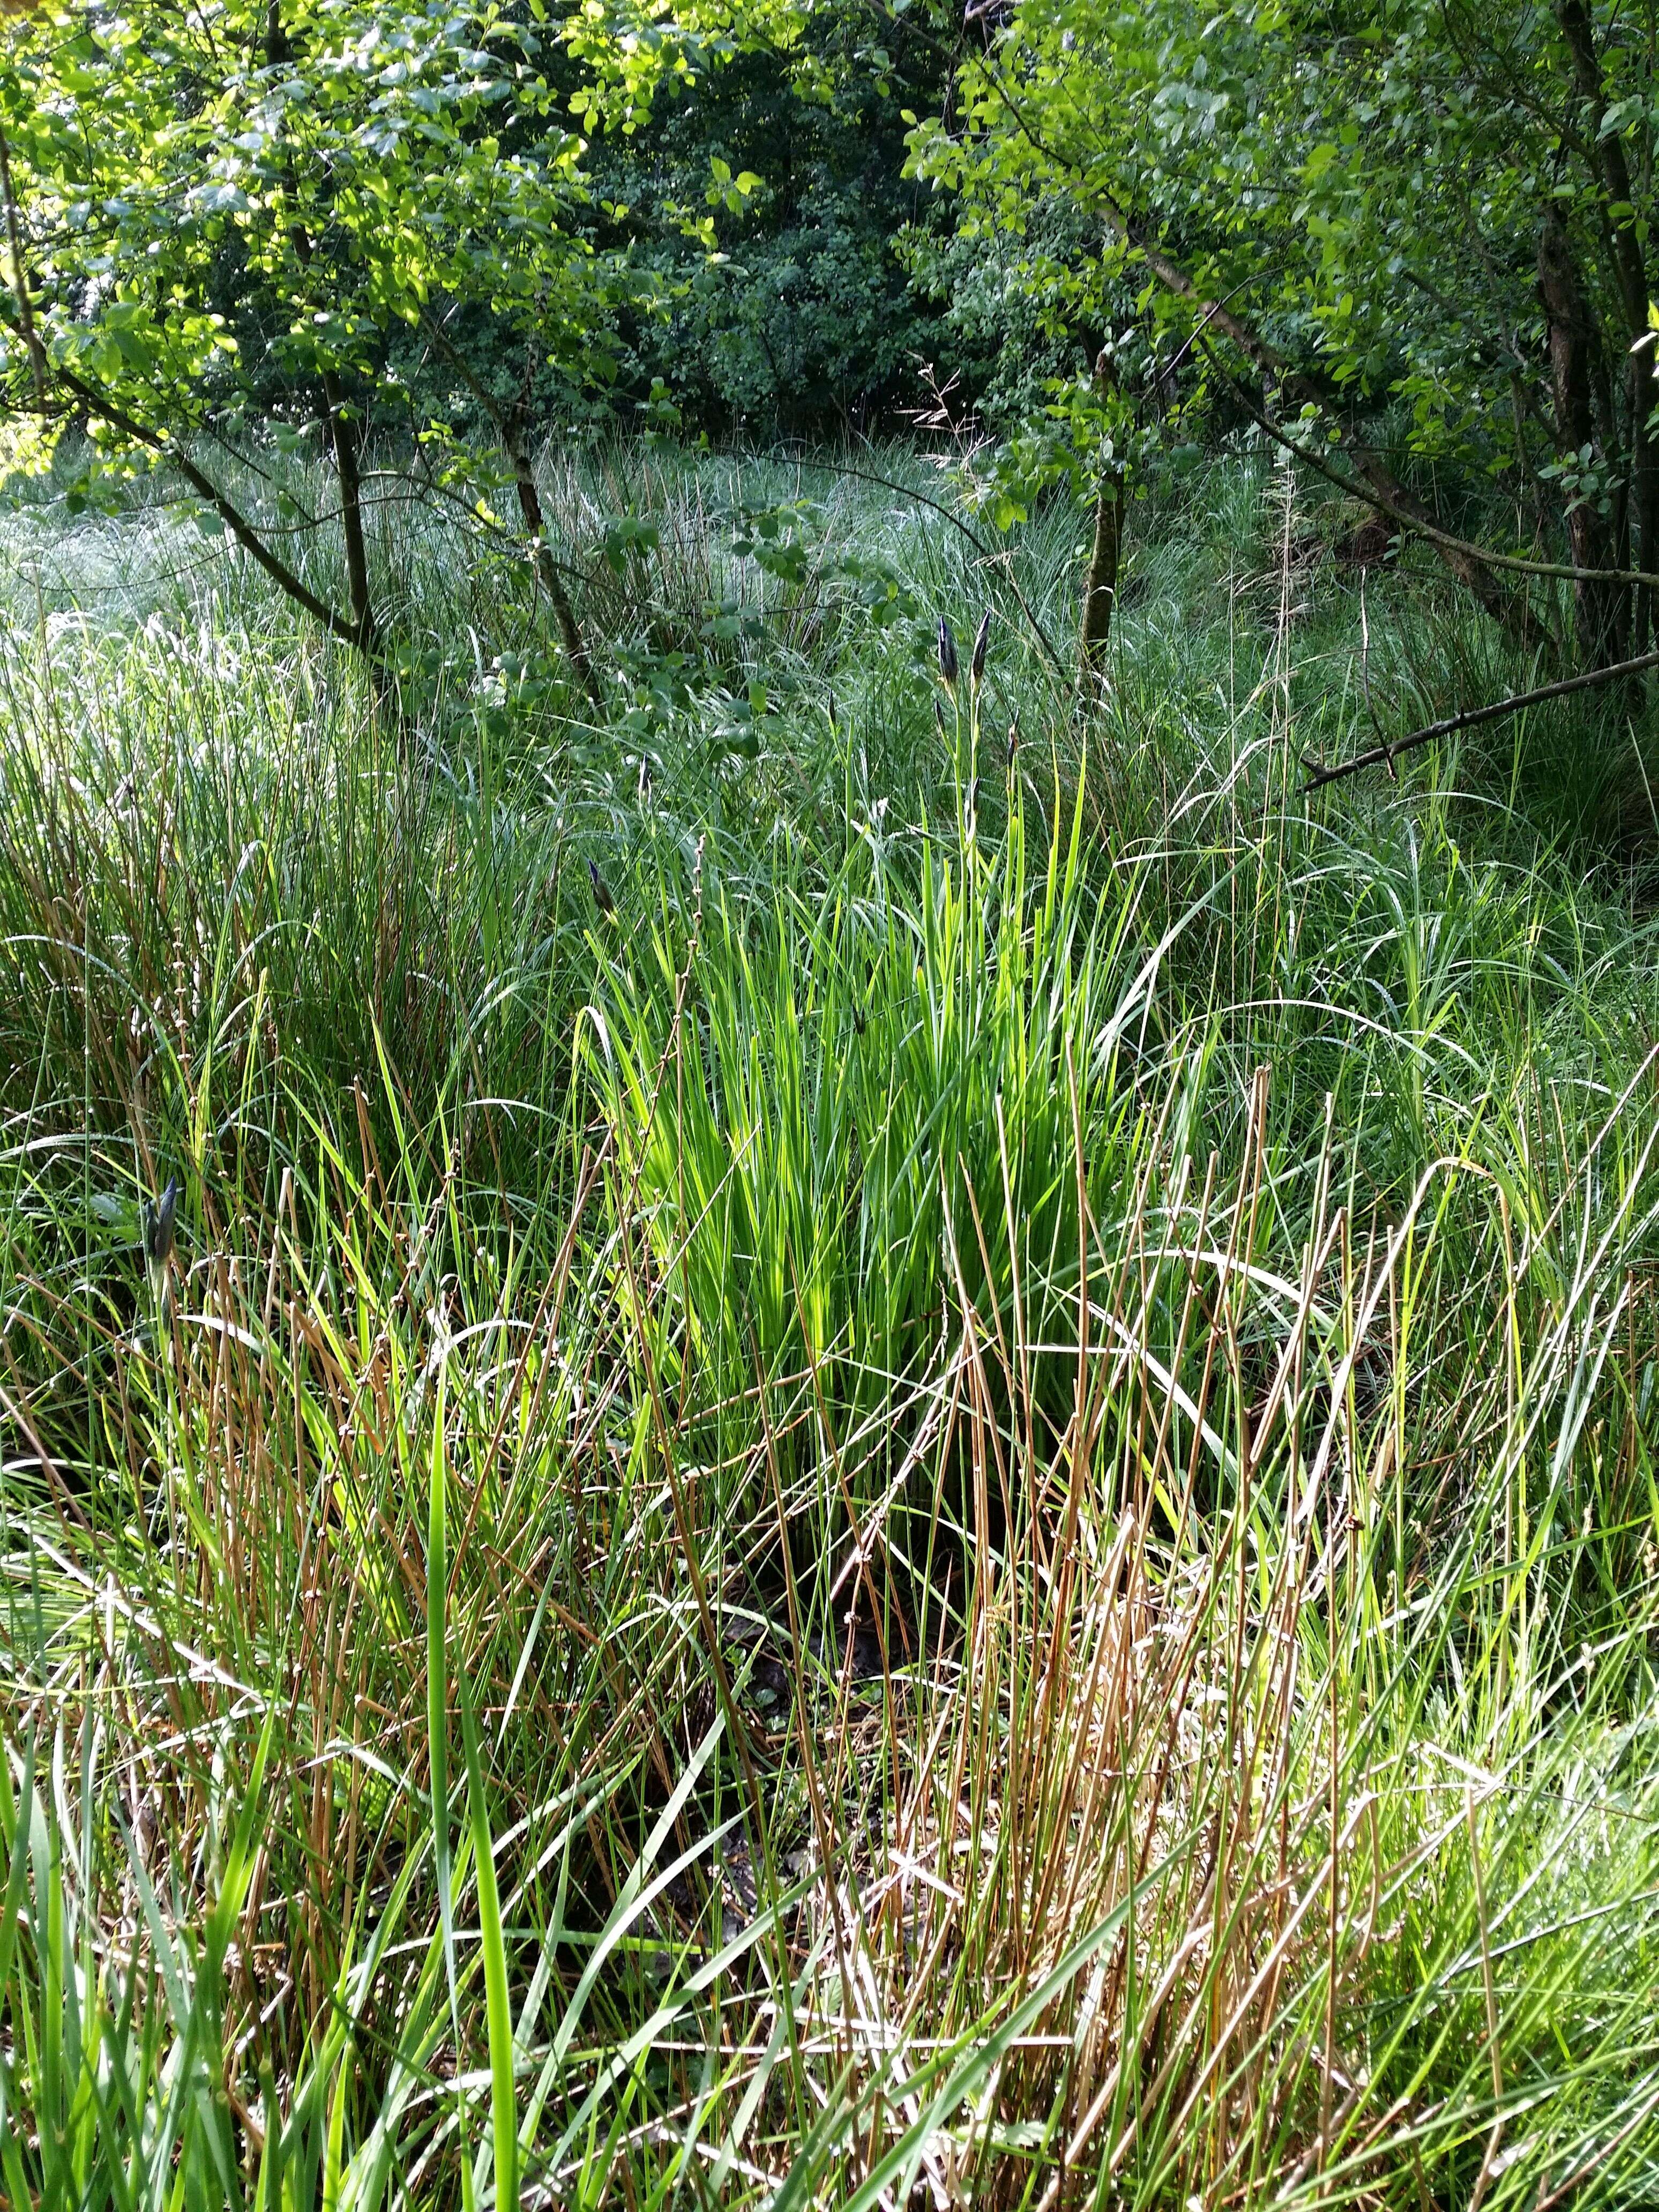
x,y
951,1502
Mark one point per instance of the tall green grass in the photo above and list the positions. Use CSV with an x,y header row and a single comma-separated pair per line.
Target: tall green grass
x,y
962,1510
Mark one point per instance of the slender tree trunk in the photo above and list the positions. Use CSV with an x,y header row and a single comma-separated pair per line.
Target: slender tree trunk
x,y
1630,272
346,434
345,429
547,568
1599,605
509,428
1100,584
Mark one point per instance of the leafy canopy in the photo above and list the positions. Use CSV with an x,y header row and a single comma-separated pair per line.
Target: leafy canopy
x,y
1347,200
327,171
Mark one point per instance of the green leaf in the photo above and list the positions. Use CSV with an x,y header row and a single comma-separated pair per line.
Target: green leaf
x,y
437,1694
503,2110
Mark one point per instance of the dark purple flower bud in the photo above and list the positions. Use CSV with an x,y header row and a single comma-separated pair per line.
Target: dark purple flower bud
x,y
982,638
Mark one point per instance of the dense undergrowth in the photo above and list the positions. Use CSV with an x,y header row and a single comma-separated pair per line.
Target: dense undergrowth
x,y
937,1488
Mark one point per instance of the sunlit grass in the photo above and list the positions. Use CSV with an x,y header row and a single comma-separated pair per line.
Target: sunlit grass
x,y
961,1510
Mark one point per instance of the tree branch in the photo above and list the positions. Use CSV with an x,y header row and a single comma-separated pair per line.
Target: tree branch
x,y
546,568
237,523
246,534
1469,563
1511,563
1384,755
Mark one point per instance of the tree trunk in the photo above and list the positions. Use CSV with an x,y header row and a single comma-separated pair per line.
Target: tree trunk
x,y
1599,604
345,431
547,568
509,428
1100,586
1630,272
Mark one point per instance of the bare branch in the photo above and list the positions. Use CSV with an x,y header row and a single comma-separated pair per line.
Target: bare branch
x,y
1384,755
